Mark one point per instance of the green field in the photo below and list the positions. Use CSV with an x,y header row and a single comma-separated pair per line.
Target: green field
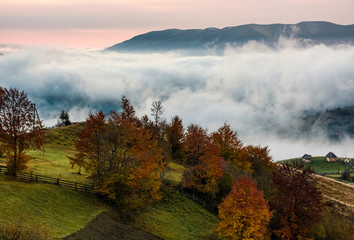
x,y
60,210
320,165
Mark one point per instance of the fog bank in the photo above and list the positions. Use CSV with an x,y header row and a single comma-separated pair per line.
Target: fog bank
x,y
260,91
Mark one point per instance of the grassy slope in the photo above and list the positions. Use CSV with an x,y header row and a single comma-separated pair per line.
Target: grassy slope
x,y
341,194
61,210
65,211
320,165
53,162
174,172
178,218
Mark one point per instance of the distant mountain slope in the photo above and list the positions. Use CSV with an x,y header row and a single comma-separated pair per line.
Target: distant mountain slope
x,y
214,39
336,123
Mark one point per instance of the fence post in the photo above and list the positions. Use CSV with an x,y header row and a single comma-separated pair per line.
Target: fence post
x,y
36,178
58,181
75,186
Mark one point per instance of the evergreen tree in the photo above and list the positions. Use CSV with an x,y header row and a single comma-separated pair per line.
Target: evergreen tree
x,y
63,119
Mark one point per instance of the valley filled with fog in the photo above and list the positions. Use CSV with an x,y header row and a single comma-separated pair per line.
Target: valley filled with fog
x,y
262,92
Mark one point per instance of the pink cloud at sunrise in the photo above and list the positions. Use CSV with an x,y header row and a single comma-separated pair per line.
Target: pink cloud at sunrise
x,y
73,38
102,23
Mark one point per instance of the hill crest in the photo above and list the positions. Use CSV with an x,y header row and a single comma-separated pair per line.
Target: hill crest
x,y
215,39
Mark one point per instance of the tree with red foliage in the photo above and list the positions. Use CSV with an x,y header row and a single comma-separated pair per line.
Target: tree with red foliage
x,y
244,213
21,129
91,149
203,157
296,201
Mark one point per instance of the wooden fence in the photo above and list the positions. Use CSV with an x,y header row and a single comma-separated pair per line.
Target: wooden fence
x,y
331,173
57,181
194,198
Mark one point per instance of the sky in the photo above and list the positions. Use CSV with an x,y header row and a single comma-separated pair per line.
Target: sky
x,y
101,23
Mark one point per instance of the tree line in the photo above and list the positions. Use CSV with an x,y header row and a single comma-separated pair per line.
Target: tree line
x,y
125,157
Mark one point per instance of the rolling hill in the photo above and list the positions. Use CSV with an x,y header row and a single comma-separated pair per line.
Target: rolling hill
x,y
215,40
65,212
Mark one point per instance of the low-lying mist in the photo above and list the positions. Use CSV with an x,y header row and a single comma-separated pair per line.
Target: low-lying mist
x,y
261,91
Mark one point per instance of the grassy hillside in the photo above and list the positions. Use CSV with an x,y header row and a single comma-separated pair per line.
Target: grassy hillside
x,y
320,165
342,195
178,217
64,211
174,173
53,161
61,210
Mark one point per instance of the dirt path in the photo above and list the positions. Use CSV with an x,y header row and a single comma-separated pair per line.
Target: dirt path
x,y
340,193
105,227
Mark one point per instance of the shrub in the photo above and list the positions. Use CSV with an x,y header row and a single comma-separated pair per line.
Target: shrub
x,y
346,175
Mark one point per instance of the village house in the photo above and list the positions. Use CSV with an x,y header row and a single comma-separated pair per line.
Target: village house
x,y
307,158
331,157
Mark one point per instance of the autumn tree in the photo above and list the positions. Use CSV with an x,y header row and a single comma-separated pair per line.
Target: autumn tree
x,y
194,144
231,147
244,213
63,119
21,129
203,157
122,158
175,137
296,201
91,149
138,158
261,166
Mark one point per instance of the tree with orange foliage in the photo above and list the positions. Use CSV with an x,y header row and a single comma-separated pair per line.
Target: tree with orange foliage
x,y
231,148
244,213
296,202
123,159
175,136
261,165
21,129
203,157
138,159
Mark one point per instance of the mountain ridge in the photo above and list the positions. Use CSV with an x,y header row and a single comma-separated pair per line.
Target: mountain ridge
x,y
218,39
